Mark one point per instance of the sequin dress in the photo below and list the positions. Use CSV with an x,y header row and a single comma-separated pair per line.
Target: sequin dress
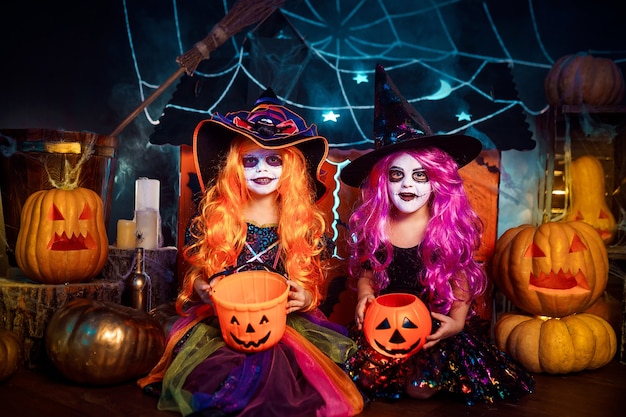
x,y
302,375
465,366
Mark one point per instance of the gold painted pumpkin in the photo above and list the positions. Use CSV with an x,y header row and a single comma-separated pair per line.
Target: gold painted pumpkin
x,y
252,309
10,354
557,346
397,324
100,342
62,236
588,202
555,269
584,79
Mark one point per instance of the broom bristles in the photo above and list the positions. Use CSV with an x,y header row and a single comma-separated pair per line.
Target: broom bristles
x,y
244,13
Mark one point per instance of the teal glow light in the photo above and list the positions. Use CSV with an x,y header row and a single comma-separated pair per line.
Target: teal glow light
x,y
360,78
463,116
336,201
331,116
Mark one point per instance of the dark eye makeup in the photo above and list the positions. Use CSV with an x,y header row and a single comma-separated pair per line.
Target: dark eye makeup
x,y
271,160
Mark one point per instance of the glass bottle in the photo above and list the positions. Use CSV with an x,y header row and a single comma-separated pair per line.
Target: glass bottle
x,y
139,284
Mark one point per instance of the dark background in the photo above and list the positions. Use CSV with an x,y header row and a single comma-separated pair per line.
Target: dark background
x,y
68,65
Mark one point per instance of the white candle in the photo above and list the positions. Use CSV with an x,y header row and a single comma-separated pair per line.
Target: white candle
x,y
146,194
147,228
126,238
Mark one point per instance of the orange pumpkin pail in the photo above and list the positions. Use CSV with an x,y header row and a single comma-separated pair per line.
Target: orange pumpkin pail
x,y
29,158
397,324
251,308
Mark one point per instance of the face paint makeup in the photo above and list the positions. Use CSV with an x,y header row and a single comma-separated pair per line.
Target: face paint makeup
x,y
408,183
262,170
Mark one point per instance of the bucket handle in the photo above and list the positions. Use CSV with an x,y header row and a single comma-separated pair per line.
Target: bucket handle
x,y
234,269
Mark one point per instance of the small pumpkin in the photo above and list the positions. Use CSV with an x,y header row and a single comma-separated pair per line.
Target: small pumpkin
x,y
584,79
62,236
554,269
556,346
10,354
588,202
252,309
397,324
101,342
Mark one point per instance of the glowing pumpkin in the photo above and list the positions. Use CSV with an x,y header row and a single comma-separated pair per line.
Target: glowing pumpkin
x,y
588,199
555,269
556,346
397,324
252,309
62,236
101,343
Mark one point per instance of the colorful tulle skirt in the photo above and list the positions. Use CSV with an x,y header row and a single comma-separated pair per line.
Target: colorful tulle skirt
x,y
302,375
465,366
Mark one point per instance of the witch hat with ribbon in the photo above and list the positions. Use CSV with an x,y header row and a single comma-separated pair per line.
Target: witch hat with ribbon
x,y
270,125
398,126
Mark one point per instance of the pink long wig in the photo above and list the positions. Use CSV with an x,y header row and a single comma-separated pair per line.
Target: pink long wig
x,y
219,230
453,232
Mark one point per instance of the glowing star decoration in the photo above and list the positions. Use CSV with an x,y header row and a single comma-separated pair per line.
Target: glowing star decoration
x,y
360,78
463,116
330,116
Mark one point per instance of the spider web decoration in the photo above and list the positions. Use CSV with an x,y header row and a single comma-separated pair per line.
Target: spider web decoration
x,y
473,67
459,63
319,58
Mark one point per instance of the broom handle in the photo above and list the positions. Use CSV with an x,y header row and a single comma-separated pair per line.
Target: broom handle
x,y
148,101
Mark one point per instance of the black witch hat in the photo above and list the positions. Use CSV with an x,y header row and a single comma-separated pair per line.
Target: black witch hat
x,y
270,125
398,126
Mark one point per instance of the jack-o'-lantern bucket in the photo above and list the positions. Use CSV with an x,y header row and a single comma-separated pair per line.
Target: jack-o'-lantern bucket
x,y
397,324
30,158
251,308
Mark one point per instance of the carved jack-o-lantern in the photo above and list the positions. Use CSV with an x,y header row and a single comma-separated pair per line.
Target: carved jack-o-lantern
x,y
554,270
252,309
62,236
397,324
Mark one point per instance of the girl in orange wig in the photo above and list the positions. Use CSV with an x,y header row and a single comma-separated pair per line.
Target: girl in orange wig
x,y
257,212
219,232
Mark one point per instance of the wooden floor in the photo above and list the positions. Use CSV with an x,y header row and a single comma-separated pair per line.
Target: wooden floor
x,y
599,393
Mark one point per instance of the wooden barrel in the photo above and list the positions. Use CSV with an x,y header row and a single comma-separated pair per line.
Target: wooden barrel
x,y
29,158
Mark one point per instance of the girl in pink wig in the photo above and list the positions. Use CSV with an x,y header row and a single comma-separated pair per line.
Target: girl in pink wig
x,y
413,231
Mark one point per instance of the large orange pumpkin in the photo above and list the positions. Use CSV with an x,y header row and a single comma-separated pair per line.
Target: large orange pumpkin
x,y
397,324
101,343
62,236
557,346
555,269
584,79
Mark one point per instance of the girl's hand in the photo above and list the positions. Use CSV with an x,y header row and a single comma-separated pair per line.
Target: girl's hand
x,y
298,299
361,306
448,327
203,289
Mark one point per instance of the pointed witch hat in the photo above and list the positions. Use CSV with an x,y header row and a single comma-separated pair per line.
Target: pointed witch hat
x,y
270,125
398,126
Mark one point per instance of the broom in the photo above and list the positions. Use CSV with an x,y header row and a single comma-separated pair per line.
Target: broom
x,y
243,13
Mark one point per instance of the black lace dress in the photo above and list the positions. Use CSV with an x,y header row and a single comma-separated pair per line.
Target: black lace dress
x,y
465,366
